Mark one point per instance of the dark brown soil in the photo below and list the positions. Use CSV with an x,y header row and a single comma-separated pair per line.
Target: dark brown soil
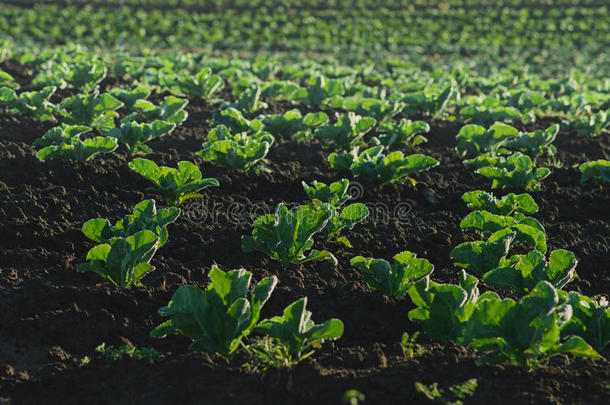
x,y
52,317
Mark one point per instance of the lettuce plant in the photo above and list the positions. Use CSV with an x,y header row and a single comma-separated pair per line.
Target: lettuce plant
x,y
444,309
94,110
593,125
474,139
240,151
123,261
507,205
218,318
235,121
395,279
347,132
535,144
590,319
32,103
171,109
174,185
515,171
332,197
135,135
380,110
523,272
524,333
527,229
64,142
293,125
145,216
405,132
203,84
479,257
318,89
486,115
597,170
249,101
429,101
6,80
393,167
297,332
335,194
129,97
85,76
287,235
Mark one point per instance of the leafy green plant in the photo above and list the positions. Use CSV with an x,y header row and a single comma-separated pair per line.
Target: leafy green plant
x,y
527,229
240,151
590,320
287,235
507,205
129,97
474,139
515,171
347,132
123,261
218,318
249,101
171,109
598,170
318,89
64,142
32,103
145,216
332,197
202,84
293,125
523,272
380,110
235,121
444,309
93,110
479,257
410,347
336,194
593,125
393,167
429,101
524,333
405,132
85,76
395,279
174,185
535,144
6,80
486,115
135,135
297,332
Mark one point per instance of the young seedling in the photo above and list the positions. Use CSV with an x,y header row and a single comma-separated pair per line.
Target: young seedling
x,y
64,142
239,151
218,318
287,235
123,261
297,332
395,279
134,136
174,185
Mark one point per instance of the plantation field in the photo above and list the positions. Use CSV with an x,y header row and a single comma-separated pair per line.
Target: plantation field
x,y
423,117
